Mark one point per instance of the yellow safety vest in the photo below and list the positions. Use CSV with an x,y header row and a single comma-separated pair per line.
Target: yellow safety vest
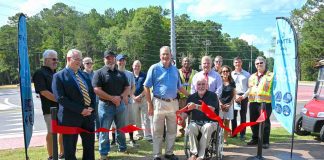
x,y
261,91
188,85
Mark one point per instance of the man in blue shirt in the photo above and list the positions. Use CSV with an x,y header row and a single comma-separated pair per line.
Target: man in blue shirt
x,y
165,80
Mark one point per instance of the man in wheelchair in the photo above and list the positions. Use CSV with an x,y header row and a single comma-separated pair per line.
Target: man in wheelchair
x,y
200,126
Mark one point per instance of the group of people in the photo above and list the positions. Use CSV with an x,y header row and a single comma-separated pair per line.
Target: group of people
x,y
115,97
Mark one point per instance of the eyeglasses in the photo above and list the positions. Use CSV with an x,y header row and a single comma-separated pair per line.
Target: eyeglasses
x,y
259,63
218,61
88,63
53,59
76,59
201,84
225,71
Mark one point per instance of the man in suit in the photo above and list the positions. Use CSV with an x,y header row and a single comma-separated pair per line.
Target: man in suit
x,y
74,93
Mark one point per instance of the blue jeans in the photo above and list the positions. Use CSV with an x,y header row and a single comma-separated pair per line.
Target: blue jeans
x,y
107,114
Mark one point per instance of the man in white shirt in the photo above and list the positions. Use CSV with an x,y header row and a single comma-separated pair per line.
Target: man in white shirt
x,y
241,78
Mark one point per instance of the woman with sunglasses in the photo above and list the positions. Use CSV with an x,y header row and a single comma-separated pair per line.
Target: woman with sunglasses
x,y
227,97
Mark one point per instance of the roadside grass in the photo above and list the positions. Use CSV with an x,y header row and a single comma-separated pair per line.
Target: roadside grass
x,y
144,149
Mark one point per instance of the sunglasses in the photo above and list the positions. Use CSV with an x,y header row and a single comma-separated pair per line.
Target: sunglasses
x,y
225,71
88,63
218,61
259,63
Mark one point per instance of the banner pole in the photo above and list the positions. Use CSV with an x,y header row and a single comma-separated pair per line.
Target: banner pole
x,y
260,137
54,134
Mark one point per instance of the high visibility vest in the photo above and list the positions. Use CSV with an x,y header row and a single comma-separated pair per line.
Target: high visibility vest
x,y
260,90
187,85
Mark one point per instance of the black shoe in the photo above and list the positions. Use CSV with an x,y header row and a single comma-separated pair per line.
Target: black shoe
x,y
113,143
252,142
265,146
171,157
157,158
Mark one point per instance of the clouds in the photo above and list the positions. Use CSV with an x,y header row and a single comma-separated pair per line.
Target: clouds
x,y
234,9
251,38
31,7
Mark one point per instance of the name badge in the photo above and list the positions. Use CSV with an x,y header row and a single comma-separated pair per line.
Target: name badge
x,y
185,84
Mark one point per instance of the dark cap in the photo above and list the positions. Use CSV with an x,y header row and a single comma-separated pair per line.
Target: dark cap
x,y
120,56
109,53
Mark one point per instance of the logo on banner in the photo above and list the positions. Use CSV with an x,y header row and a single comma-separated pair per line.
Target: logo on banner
x,y
282,103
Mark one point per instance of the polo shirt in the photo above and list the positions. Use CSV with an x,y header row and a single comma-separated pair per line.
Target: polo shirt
x,y
42,79
139,81
210,98
113,82
165,81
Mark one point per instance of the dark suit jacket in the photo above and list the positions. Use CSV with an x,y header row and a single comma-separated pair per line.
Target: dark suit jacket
x,y
70,98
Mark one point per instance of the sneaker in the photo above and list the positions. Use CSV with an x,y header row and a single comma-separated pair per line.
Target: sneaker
x,y
252,142
139,137
132,143
61,157
265,146
104,157
50,158
113,143
171,157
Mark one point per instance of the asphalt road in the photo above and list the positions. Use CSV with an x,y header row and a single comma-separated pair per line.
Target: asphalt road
x,y
11,121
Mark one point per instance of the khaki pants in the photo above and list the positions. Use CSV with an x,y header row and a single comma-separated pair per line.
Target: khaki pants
x,y
198,148
164,113
140,116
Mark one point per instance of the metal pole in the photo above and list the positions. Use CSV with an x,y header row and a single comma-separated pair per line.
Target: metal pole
x,y
260,138
54,135
261,131
251,59
173,33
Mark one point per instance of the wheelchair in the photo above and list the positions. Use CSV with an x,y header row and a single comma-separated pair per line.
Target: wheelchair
x,y
214,150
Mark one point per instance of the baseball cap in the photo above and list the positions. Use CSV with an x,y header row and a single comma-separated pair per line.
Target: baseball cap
x,y
109,53
120,56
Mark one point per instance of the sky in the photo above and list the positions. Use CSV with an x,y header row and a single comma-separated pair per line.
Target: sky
x,y
251,20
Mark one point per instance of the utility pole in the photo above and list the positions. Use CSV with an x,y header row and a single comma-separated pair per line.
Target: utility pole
x,y
251,66
206,43
173,34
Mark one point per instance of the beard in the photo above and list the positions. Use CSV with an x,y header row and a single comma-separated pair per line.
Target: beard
x,y
121,68
111,66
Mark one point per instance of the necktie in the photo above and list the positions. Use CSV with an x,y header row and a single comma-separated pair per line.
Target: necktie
x,y
206,78
84,90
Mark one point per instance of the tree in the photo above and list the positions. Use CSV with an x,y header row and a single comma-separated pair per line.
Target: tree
x,y
308,22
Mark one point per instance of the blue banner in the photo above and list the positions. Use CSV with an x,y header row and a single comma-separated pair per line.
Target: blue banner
x,y
285,77
27,105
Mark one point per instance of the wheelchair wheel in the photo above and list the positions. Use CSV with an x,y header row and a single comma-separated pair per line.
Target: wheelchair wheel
x,y
220,142
215,149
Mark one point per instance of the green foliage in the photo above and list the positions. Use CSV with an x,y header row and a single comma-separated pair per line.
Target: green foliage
x,y
309,24
139,33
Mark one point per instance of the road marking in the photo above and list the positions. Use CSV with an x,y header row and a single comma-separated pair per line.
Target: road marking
x,y
21,134
6,101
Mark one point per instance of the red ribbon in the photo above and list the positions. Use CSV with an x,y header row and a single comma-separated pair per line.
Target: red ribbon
x,y
76,130
213,116
262,118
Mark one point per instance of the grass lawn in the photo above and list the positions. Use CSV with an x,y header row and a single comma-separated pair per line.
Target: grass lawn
x,y
144,150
